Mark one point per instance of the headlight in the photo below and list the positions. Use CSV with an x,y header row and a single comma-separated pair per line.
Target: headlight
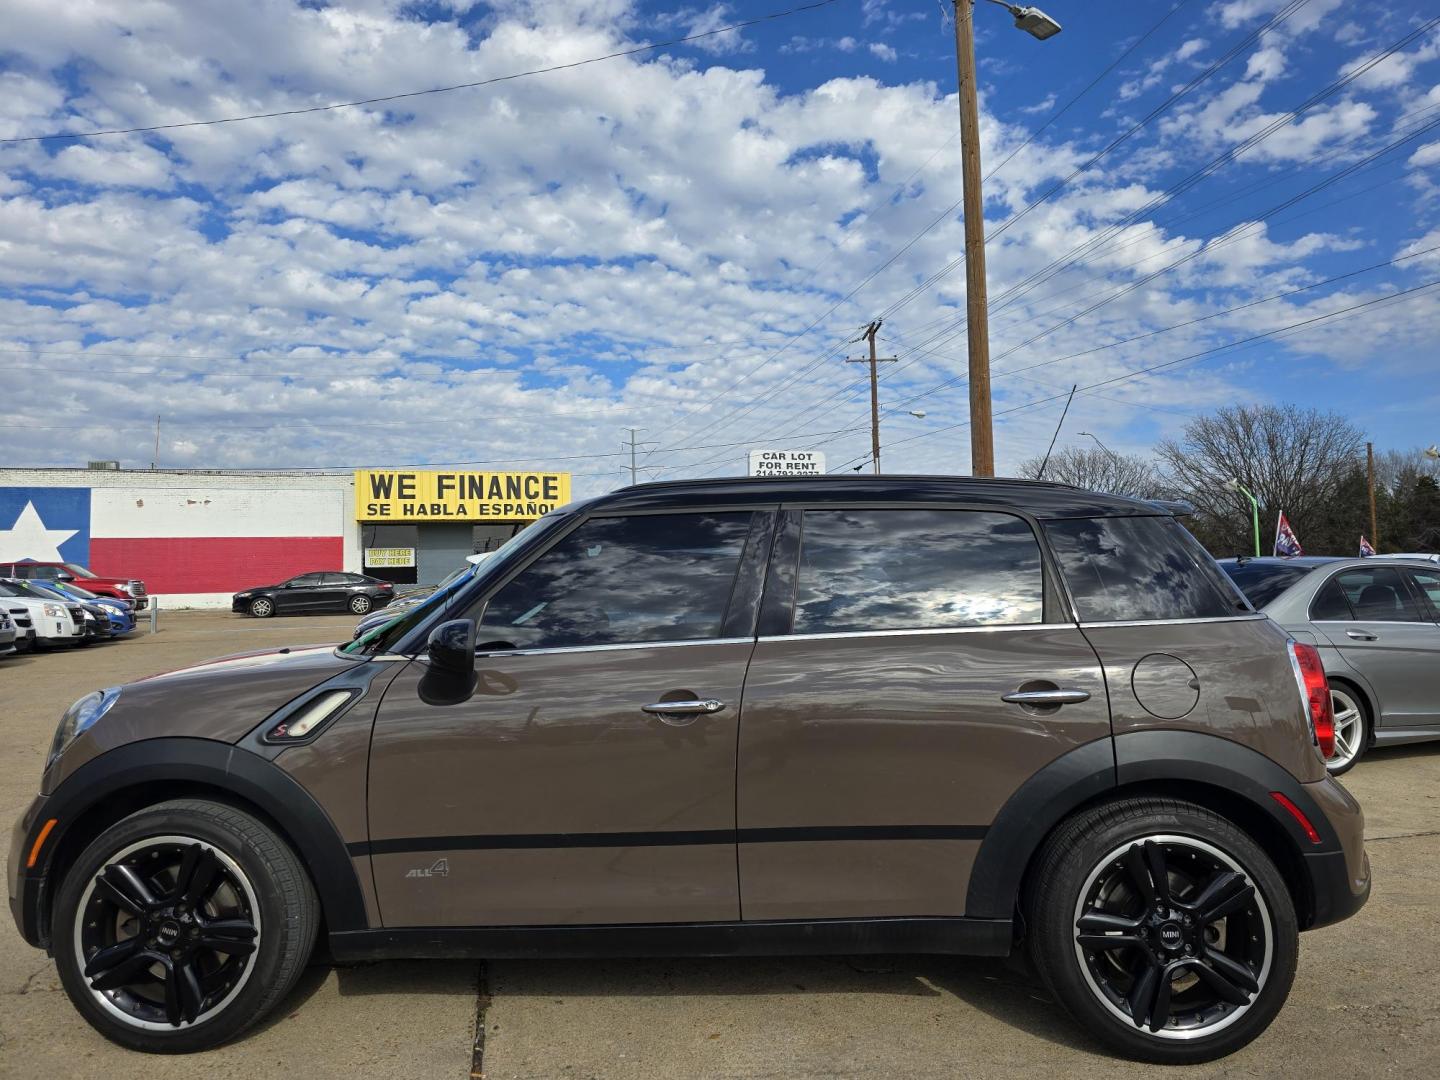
x,y
79,718
55,611
242,596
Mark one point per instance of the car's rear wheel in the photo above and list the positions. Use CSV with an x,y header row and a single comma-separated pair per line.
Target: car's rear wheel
x,y
262,607
1163,929
361,605
1352,729
182,925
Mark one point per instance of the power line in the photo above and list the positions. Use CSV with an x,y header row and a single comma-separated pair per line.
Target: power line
x,y
433,90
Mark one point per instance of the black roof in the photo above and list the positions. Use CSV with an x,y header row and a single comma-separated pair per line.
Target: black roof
x,y
1038,498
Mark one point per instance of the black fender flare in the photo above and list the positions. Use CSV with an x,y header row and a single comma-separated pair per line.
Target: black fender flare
x,y
153,763
1156,756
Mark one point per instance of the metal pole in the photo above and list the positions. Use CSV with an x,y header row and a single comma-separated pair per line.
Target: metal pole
x,y
1254,513
154,615
874,361
982,438
1370,479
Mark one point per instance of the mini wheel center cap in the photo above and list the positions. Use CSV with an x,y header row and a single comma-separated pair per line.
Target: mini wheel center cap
x,y
1171,936
168,933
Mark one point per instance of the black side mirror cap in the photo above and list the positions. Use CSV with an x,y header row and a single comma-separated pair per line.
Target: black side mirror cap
x,y
449,677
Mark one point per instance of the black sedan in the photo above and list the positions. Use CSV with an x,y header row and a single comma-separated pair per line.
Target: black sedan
x,y
320,591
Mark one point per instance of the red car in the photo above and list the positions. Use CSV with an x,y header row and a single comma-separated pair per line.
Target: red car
x,y
118,587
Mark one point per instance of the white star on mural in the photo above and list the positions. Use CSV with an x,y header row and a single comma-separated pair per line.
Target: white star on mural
x,y
28,538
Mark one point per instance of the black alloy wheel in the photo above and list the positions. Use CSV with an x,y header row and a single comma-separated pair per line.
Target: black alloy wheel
x,y
1165,930
180,926
1173,936
168,930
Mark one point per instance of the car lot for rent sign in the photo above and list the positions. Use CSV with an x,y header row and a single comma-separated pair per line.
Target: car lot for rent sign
x,y
406,496
787,463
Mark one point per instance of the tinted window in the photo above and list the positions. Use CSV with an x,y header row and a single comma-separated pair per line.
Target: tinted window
x,y
1263,582
664,577
306,579
1330,604
1427,582
916,569
1127,568
1378,594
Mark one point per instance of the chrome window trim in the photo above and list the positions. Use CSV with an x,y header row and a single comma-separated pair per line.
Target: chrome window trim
x,y
616,646
1249,616
993,629
1372,622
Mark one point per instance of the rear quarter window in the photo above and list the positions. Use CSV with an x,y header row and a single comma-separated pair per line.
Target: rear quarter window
x,y
1126,569
1263,582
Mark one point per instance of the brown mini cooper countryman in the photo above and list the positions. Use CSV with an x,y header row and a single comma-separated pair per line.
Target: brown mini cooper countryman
x,y
888,714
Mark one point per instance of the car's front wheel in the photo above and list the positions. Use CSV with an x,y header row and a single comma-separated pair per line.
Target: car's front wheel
x,y
182,925
1163,929
262,607
361,605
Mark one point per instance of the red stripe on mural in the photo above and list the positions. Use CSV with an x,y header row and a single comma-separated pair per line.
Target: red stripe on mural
x,y
220,564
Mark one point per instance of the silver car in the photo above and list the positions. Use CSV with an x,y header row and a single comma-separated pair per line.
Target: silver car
x,y
1377,625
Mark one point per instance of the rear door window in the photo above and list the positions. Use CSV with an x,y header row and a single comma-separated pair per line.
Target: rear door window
x,y
1140,569
1331,604
1379,594
863,570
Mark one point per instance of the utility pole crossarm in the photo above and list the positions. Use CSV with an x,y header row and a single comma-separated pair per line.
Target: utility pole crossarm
x,y
873,361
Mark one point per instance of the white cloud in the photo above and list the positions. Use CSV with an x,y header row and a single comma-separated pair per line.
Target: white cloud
x,y
883,51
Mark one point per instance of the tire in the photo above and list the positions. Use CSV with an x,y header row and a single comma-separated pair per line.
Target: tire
x,y
1094,868
262,607
248,892
361,605
1352,733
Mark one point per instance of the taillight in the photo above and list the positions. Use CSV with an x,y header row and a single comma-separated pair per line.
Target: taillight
x,y
1315,690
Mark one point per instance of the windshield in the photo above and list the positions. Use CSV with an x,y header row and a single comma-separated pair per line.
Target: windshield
x,y
388,634
38,590
78,571
71,589
1263,582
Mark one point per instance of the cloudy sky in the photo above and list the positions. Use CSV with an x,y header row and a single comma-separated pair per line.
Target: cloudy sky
x,y
684,240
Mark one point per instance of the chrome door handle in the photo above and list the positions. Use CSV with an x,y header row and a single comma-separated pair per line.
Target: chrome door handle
x,y
698,707
1361,635
1043,698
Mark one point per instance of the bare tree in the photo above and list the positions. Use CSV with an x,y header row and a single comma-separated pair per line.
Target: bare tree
x,y
1301,461
1099,470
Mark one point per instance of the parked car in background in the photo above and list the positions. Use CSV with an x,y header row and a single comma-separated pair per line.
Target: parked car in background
x,y
121,612
1418,556
423,595
55,622
1376,622
122,588
878,714
8,633
326,590
24,626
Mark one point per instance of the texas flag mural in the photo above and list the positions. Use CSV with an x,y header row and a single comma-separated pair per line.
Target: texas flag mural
x,y
177,541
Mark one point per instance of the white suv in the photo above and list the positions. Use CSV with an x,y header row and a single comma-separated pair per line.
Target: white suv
x,y
55,622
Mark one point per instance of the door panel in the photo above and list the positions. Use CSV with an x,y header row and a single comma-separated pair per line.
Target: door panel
x,y
553,798
1391,641
890,753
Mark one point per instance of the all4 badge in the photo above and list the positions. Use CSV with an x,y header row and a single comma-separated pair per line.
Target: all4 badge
x,y
439,868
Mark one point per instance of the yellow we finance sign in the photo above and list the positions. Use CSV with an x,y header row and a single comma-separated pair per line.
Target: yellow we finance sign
x,y
411,496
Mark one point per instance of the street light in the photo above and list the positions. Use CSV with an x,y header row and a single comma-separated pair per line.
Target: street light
x,y
919,414
977,325
1432,451
1032,20
1101,445
1254,510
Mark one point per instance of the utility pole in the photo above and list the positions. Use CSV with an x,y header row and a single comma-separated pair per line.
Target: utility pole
x,y
982,437
873,361
1370,481
155,460
1040,26
633,446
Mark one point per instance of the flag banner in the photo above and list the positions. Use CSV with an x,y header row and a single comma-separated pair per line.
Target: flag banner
x,y
1287,544
1365,549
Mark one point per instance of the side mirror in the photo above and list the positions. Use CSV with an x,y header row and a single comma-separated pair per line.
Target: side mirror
x,y
449,677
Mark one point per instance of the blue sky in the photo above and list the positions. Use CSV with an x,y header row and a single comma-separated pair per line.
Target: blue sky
x,y
673,240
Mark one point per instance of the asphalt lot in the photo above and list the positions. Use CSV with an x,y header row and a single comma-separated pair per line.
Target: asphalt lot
x,y
1364,1004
